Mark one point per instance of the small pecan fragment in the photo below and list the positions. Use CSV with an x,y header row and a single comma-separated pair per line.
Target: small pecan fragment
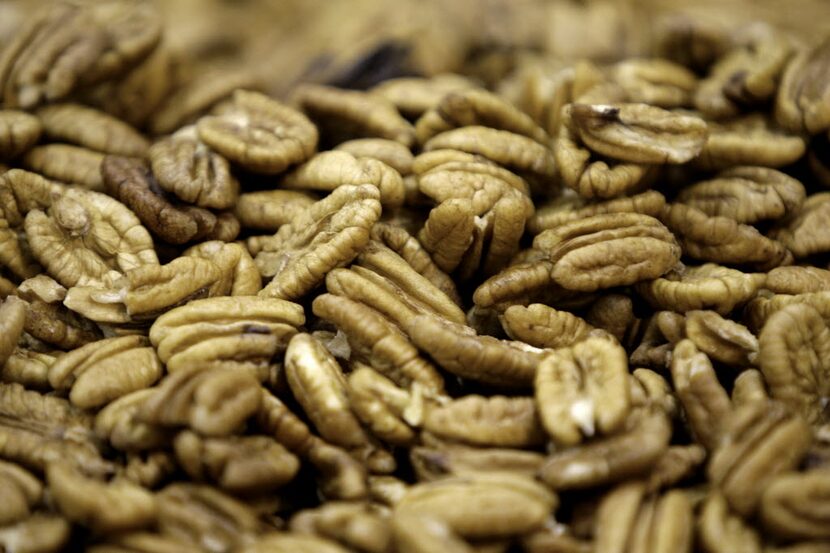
x,y
611,459
627,520
582,390
722,240
746,194
638,133
19,131
514,151
119,505
319,385
194,173
493,421
482,358
749,140
353,114
258,133
544,327
213,402
90,128
794,505
795,359
328,234
328,170
801,105
476,107
238,464
703,398
105,370
706,286
760,441
69,45
67,163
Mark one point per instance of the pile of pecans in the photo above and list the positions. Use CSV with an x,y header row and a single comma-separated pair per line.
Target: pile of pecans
x,y
583,310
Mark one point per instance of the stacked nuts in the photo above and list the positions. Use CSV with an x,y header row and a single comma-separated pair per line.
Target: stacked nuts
x,y
586,310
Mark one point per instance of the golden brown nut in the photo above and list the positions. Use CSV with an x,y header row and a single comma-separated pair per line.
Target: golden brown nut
x,y
495,421
105,370
240,276
797,280
749,386
705,402
205,518
386,410
638,133
722,240
258,133
67,163
39,533
480,505
187,168
318,384
86,238
394,154
794,505
69,45
415,95
678,463
749,140
329,234
760,441
802,94
746,194
92,129
353,114
720,530
706,286
723,340
583,390
514,151
132,181
292,543
544,327
213,402
22,491
481,358
118,424
561,211
802,231
143,542
327,170
376,340
655,81
119,505
476,107
748,74
447,459
627,520
238,464
19,131
364,527
12,321
759,309
611,459
794,354
271,209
